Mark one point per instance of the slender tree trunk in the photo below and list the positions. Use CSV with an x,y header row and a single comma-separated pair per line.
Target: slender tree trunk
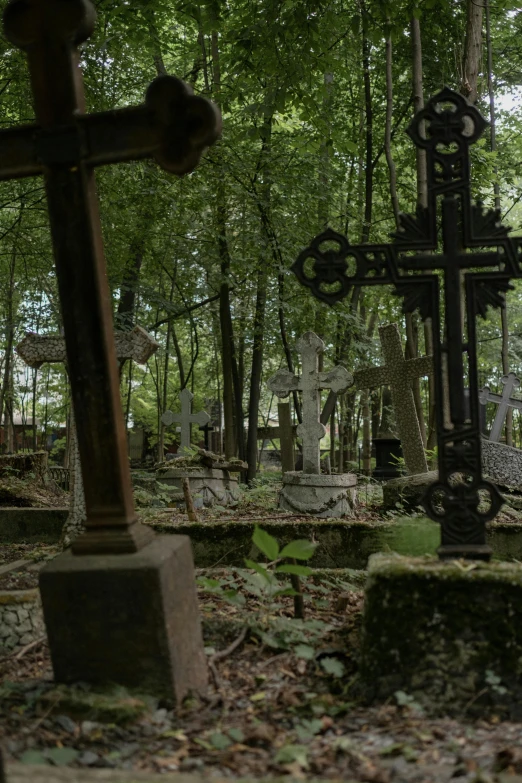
x,y
472,50
261,295
368,110
387,132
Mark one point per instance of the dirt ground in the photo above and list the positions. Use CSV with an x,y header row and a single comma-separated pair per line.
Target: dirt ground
x,y
269,711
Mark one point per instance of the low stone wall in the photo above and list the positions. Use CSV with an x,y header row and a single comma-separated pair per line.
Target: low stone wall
x,y
28,525
21,619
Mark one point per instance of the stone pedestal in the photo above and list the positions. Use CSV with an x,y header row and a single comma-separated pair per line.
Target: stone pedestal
x,y
447,633
207,485
318,494
129,619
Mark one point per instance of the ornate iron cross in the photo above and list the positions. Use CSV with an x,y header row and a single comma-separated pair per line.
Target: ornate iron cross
x,y
461,500
65,145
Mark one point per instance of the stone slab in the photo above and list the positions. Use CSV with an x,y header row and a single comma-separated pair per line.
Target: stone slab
x,y
209,486
447,633
407,490
31,525
127,619
502,464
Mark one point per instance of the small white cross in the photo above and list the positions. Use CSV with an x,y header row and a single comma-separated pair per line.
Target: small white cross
x,y
504,401
309,346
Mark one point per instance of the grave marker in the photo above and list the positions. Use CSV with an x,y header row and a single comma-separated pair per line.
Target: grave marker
x,y
311,381
107,617
185,418
37,349
504,402
398,373
445,128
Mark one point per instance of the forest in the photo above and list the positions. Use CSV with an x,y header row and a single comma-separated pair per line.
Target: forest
x,y
316,96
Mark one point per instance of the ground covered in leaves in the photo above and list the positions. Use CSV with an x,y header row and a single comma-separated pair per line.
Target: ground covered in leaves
x,y
278,703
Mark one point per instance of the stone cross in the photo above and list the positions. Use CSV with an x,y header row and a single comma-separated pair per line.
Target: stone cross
x,y
311,381
35,350
504,401
185,418
398,373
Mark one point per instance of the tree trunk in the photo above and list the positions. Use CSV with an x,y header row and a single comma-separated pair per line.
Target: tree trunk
x,y
387,132
261,294
368,110
472,50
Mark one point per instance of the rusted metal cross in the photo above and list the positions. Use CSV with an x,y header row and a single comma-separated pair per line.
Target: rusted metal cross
x,y
65,145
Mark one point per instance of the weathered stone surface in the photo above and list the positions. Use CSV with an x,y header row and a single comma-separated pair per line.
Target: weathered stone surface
x,y
407,490
447,634
327,496
148,634
311,381
207,485
185,418
22,464
502,464
42,525
398,373
21,619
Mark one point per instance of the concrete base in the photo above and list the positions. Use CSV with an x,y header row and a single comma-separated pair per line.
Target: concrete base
x,y
207,485
127,619
318,494
447,633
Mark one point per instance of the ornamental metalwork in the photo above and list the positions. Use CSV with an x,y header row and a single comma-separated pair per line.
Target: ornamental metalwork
x,y
451,286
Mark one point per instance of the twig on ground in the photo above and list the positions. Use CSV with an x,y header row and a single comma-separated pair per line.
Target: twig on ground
x,y
224,654
191,511
30,646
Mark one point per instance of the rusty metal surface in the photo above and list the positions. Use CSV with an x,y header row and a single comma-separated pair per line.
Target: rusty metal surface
x,y
462,501
173,127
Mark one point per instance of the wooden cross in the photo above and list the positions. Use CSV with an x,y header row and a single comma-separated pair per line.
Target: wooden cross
x,y
398,373
35,350
64,146
504,401
311,381
185,418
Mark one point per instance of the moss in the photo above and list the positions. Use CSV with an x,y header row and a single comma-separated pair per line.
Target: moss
x,y
448,633
115,705
18,596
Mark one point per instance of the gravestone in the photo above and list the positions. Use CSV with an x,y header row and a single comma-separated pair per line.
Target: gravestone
x,y
308,491
208,485
120,606
500,462
37,349
186,418
398,373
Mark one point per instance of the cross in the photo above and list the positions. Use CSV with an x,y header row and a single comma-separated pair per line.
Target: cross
x,y
311,381
186,418
504,401
64,146
35,350
461,500
398,373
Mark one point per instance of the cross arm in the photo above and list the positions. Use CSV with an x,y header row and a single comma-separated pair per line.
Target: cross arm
x,y
173,126
417,368
371,377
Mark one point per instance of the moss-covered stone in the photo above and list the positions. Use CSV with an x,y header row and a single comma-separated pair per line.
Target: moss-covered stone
x,y
447,633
